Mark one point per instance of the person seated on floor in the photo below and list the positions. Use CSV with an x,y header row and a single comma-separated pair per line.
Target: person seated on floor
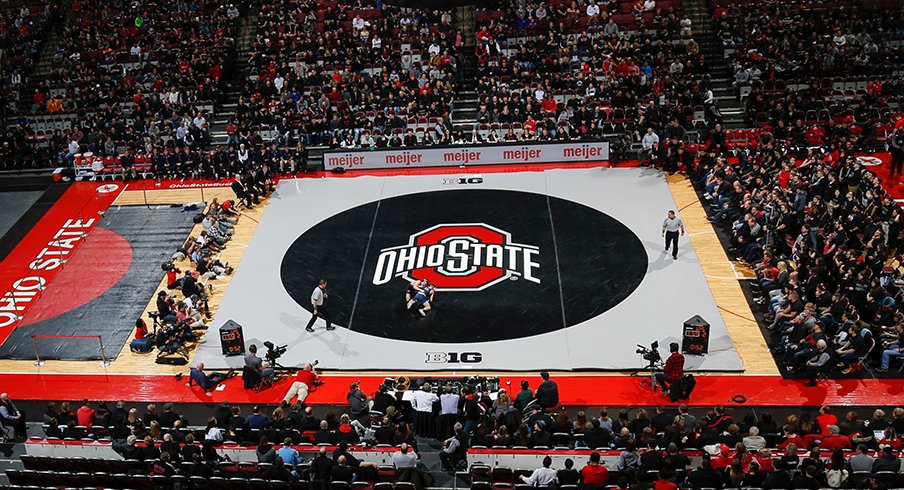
x,y
167,341
166,307
206,381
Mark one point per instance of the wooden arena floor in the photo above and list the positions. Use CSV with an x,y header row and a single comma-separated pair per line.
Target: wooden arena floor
x,y
721,274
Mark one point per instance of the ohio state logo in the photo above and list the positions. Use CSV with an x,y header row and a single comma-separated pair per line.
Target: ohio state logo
x,y
459,257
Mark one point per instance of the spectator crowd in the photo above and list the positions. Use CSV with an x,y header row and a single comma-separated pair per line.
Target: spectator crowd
x,y
804,450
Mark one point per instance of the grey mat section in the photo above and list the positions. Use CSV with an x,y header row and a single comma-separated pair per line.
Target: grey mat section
x,y
13,206
153,235
671,291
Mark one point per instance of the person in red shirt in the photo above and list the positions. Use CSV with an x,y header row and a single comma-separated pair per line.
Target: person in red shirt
x,y
834,440
791,437
674,368
530,125
662,484
594,473
549,104
85,414
304,382
825,419
141,329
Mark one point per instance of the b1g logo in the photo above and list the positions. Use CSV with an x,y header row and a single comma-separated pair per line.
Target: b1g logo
x,y
459,257
453,357
463,181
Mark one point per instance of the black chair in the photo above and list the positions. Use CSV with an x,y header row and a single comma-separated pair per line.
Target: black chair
x,y
16,477
480,472
503,474
30,462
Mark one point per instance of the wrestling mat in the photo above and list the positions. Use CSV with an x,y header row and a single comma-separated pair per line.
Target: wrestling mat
x,y
562,269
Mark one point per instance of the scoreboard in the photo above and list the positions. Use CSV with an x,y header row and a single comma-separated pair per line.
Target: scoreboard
x,y
232,339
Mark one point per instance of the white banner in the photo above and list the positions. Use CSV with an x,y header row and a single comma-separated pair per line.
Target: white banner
x,y
586,151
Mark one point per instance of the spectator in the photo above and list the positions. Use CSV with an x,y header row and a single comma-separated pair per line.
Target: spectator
x,y
10,416
454,449
541,477
85,414
594,473
548,392
404,458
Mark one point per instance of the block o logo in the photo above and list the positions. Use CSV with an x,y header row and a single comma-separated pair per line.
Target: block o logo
x,y
459,257
506,265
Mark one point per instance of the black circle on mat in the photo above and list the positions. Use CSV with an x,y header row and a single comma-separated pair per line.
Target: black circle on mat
x,y
587,263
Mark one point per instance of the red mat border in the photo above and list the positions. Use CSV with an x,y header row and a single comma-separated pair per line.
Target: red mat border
x,y
575,390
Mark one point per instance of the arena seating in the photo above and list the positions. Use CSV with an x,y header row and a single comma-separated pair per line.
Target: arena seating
x,y
331,76
849,75
130,80
634,70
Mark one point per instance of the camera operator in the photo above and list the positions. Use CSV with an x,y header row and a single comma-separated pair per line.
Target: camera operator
x,y
251,359
165,307
673,371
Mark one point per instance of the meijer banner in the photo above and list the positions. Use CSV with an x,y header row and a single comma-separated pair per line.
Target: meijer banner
x,y
584,151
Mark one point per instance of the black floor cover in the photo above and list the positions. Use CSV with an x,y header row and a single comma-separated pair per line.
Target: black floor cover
x,y
13,206
153,235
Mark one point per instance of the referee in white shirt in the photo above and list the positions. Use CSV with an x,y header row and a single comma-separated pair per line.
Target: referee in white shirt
x,y
318,297
670,228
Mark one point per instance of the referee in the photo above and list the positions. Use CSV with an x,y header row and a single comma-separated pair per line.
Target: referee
x,y
317,299
670,228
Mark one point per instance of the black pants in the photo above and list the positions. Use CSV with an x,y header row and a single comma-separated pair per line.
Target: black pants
x,y
671,237
897,161
322,312
18,425
449,460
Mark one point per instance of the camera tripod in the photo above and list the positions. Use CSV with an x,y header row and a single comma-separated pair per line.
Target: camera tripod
x,y
649,380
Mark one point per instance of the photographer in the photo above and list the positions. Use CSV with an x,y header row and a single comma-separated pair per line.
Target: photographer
x,y
358,403
165,307
304,381
673,371
167,341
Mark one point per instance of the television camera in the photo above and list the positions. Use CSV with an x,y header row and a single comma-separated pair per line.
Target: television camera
x,y
274,352
650,355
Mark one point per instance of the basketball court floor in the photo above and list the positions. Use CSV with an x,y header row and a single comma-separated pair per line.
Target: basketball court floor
x,y
560,269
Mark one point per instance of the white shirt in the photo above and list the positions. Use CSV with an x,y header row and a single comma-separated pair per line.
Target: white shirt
x,y
214,434
449,403
593,10
649,139
671,224
541,477
421,401
358,23
317,297
649,5
433,49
